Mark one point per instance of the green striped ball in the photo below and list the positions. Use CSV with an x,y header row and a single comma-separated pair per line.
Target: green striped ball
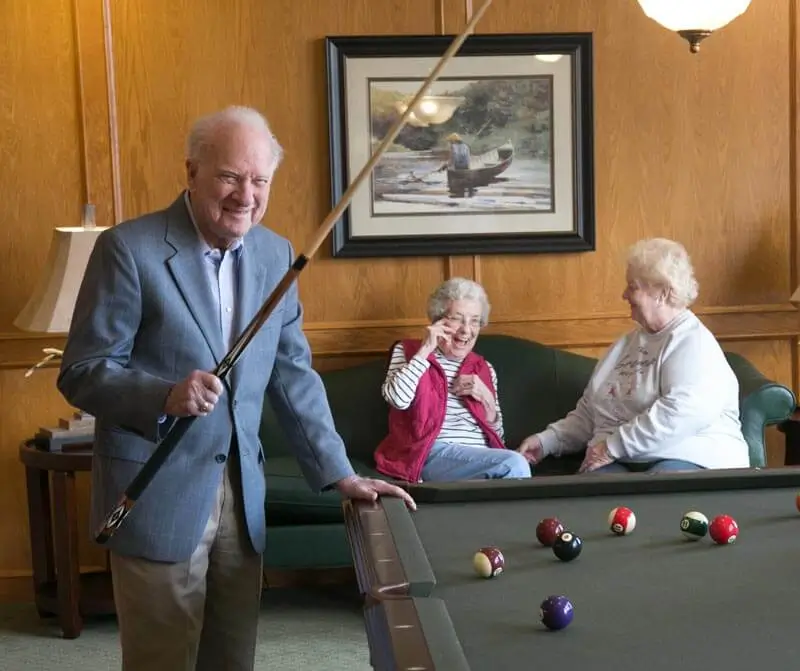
x,y
694,525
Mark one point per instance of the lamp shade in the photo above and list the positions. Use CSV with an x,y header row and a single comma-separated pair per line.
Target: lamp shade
x,y
704,15
795,299
50,308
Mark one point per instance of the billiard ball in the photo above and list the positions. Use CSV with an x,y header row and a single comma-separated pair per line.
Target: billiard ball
x,y
548,530
694,525
621,521
723,529
567,546
488,562
556,612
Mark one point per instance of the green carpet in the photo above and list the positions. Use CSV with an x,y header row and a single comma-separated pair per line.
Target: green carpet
x,y
305,630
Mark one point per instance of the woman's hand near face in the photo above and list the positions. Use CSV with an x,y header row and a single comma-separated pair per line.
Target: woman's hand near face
x,y
433,334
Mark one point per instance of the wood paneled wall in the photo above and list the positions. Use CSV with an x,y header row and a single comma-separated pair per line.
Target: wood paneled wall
x,y
701,148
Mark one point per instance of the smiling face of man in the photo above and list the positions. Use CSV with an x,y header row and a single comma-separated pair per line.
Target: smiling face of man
x,y
229,182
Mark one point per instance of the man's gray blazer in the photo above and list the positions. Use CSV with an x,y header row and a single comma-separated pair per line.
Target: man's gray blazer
x,y
144,319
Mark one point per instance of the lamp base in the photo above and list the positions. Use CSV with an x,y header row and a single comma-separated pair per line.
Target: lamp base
x,y
75,431
694,37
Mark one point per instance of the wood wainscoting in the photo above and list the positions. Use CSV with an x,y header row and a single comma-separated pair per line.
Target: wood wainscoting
x,y
96,99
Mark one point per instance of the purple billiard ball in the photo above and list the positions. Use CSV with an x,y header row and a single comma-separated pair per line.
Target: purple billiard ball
x,y
556,612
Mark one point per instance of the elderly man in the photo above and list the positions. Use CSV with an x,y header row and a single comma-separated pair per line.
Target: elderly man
x,y
163,299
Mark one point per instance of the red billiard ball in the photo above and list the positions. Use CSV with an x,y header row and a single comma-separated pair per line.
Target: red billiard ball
x,y
621,521
567,546
548,530
723,529
488,562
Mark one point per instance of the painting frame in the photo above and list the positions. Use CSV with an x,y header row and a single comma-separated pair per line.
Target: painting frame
x,y
344,53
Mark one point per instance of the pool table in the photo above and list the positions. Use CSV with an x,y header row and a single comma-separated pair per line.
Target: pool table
x,y
650,600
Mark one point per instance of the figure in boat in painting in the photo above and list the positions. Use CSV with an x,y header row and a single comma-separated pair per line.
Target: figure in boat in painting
x,y
465,173
459,153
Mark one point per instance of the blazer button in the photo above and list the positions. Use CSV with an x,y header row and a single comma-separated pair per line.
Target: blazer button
x,y
220,458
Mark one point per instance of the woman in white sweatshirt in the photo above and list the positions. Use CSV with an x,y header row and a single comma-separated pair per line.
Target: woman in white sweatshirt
x,y
663,398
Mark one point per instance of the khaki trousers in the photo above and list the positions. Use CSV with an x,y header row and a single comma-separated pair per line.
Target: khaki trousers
x,y
200,614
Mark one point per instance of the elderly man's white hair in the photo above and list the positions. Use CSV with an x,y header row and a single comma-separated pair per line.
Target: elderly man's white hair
x,y
664,264
202,131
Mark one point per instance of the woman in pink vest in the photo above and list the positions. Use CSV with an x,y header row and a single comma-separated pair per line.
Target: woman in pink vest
x,y
445,421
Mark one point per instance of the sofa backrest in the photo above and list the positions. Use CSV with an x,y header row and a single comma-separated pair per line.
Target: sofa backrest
x,y
537,385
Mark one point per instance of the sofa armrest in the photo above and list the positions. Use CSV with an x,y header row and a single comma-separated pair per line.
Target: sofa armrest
x,y
762,402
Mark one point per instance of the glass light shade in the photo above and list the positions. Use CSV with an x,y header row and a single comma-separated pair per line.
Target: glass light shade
x,y
694,20
704,15
431,110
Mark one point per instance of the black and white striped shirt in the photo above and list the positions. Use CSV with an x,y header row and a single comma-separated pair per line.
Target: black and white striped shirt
x,y
460,428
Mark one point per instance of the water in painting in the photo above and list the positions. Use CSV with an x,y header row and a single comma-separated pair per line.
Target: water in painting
x,y
472,145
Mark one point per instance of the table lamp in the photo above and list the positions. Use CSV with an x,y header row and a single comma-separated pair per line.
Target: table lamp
x,y
50,309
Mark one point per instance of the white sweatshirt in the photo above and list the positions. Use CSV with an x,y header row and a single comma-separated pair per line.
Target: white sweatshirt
x,y
665,395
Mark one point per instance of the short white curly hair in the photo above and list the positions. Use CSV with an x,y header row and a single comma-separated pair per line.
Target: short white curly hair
x,y
457,289
662,264
201,134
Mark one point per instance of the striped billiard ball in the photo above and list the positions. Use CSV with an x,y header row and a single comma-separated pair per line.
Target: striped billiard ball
x,y
694,525
488,562
621,521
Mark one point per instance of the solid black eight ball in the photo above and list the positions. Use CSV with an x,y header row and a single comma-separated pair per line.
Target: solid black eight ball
x,y
567,546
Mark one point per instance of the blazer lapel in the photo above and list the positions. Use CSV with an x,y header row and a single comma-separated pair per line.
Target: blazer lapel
x,y
251,289
189,273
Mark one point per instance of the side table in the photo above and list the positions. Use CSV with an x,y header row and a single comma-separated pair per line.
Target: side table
x,y
59,586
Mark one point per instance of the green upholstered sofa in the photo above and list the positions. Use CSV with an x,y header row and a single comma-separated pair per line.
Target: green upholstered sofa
x,y
538,384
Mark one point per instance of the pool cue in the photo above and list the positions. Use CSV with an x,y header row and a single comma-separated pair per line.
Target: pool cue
x,y
181,425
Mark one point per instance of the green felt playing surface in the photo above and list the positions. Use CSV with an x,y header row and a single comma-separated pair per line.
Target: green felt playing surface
x,y
652,595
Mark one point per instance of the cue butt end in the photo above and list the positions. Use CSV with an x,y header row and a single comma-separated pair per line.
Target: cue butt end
x,y
114,521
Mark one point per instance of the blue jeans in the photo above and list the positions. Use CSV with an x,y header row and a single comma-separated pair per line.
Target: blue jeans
x,y
447,462
660,466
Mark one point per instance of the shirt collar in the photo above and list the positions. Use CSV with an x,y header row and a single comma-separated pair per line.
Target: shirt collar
x,y
207,249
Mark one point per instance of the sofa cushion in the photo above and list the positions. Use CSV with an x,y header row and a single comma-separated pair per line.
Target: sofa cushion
x,y
291,501
359,412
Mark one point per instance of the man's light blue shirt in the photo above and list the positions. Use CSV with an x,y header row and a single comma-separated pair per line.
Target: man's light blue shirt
x,y
222,271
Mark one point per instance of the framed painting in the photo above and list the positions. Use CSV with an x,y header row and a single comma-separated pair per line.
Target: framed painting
x,y
496,158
